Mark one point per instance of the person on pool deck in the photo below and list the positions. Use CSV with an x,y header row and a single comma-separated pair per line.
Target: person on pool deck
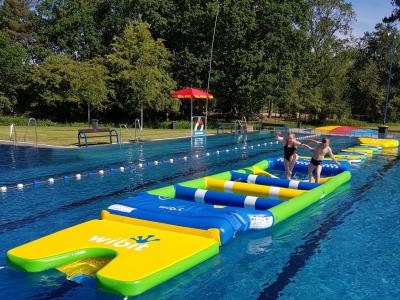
x,y
320,151
290,151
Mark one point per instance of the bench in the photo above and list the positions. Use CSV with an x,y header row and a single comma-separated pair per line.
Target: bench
x,y
83,133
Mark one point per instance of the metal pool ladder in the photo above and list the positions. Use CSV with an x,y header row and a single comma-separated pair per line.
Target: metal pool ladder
x,y
27,127
127,130
241,126
13,133
138,130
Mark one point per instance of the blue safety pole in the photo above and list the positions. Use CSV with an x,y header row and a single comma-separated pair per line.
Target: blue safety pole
x,y
390,77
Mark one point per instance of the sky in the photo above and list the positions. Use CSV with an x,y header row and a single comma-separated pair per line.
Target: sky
x,y
368,13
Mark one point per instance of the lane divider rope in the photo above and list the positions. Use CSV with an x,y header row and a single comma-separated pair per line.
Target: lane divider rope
x,y
140,165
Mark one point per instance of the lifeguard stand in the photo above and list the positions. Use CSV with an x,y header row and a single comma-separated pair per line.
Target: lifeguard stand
x,y
198,124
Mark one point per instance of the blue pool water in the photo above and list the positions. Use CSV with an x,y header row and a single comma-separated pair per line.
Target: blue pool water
x,y
345,247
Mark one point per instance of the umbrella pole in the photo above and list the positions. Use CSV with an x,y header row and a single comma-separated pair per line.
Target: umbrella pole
x,y
205,125
191,116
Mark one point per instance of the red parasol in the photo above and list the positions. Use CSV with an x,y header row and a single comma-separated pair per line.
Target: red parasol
x,y
191,93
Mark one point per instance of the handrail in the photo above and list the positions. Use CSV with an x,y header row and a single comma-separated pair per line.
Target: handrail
x,y
26,130
120,132
138,128
244,121
13,132
238,126
242,128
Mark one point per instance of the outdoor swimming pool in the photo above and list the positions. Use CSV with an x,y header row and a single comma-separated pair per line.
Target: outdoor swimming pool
x,y
343,247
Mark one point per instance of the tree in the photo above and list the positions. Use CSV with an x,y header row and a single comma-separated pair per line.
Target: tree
x,y
69,27
369,77
112,17
369,99
12,71
61,79
139,70
326,68
282,32
17,19
269,55
395,13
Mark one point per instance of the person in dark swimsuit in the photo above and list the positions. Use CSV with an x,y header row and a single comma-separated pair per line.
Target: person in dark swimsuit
x,y
289,152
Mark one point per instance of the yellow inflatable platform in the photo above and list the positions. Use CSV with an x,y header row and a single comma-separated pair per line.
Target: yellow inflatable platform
x,y
141,257
379,142
256,190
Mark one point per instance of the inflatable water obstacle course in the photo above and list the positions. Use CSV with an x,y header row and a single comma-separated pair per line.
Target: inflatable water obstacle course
x,y
142,241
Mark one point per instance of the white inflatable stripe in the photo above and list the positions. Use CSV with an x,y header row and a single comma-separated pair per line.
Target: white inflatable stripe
x,y
294,184
199,195
228,186
274,190
251,178
250,202
240,217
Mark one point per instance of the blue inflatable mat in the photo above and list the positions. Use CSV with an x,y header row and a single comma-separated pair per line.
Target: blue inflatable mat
x,y
329,168
228,220
228,199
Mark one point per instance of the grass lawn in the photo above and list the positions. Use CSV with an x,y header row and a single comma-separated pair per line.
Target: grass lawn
x,y
67,136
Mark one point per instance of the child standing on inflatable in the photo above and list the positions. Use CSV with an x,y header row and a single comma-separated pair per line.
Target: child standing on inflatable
x,y
320,151
289,151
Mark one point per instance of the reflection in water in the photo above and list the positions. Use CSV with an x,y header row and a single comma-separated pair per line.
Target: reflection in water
x,y
258,246
198,142
243,138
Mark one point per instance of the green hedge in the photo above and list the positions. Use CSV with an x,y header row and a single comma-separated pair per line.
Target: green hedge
x,y
180,124
23,121
348,122
356,123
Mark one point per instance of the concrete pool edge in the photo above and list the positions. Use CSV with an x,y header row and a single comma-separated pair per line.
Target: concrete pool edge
x,y
51,146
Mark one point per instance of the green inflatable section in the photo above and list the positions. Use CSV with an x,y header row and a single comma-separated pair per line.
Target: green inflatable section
x,y
199,183
42,264
262,164
139,287
291,207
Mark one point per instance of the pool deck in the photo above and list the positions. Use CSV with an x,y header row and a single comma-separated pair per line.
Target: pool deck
x,y
40,145
66,137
